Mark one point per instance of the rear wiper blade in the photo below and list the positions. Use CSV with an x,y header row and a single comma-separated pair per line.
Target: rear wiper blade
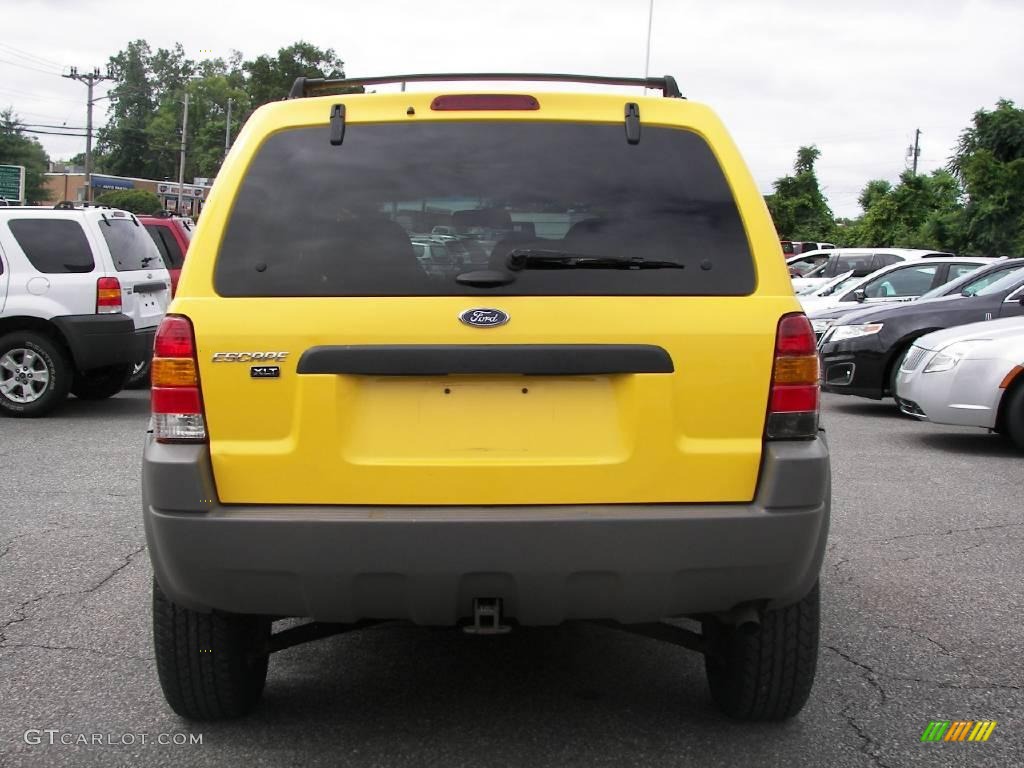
x,y
530,258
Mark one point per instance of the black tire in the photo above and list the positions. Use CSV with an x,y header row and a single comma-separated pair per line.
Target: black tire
x,y
100,383
139,376
894,370
212,666
765,673
1013,423
57,367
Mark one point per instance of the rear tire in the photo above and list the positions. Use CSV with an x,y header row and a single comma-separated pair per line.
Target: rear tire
x,y
1013,425
212,666
894,370
100,383
29,352
765,673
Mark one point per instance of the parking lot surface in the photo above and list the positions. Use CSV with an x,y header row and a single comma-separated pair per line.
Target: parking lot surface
x,y
922,601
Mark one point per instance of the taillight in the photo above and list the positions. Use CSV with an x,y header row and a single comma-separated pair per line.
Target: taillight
x,y
484,101
108,295
176,398
793,403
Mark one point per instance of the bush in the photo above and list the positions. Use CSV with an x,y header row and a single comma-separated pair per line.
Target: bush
x,y
134,200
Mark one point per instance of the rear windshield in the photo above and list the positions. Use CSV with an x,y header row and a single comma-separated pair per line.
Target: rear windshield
x,y
312,219
130,245
862,264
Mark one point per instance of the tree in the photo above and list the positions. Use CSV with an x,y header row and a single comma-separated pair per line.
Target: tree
x,y
270,79
134,200
124,140
919,212
18,149
989,161
798,207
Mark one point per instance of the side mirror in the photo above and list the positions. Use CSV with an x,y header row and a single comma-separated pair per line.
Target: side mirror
x,y
859,295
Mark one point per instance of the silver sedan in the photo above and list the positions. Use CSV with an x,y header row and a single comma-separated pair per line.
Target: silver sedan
x,y
971,375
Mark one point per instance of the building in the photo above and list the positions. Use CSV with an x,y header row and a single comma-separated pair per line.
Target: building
x,y
71,186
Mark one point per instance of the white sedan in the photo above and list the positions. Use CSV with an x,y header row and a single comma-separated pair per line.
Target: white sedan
x,y
971,375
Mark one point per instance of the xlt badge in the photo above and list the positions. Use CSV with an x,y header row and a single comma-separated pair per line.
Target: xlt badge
x,y
265,372
249,357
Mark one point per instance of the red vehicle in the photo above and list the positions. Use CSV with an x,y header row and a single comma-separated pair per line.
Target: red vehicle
x,y
172,235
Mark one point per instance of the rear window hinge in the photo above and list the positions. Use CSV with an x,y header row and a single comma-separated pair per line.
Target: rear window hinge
x,y
633,123
337,124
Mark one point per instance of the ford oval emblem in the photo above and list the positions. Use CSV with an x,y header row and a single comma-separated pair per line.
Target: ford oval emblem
x,y
483,318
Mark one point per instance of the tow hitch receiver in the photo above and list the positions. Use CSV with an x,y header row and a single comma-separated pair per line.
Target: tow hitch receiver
x,y
487,617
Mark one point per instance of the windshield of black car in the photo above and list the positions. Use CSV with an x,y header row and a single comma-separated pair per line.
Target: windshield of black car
x,y
1009,282
312,219
130,245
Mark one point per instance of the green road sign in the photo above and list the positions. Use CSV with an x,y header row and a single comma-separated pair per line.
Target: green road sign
x,y
12,183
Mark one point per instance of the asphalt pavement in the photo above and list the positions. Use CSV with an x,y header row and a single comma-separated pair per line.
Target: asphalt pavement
x,y
923,592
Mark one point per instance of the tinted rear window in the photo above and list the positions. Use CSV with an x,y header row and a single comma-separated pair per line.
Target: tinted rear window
x,y
130,245
167,245
311,219
53,246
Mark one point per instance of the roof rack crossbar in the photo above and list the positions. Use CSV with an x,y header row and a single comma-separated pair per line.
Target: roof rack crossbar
x,y
313,86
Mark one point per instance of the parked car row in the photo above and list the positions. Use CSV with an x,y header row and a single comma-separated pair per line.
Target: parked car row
x,y
883,334
82,291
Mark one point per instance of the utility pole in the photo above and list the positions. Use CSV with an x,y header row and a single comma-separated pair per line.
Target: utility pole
x,y
227,131
90,79
915,151
181,167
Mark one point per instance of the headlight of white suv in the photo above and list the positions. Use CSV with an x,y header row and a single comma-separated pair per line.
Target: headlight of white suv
x,y
947,358
845,332
820,326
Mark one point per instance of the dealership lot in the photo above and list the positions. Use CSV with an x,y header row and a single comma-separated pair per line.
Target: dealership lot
x,y
921,598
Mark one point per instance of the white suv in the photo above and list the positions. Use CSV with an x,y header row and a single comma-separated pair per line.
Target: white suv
x,y
82,291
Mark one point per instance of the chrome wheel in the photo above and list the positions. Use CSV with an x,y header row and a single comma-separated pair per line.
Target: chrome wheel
x,y
24,375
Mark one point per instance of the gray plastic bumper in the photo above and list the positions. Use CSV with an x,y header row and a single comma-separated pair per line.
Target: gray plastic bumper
x,y
629,563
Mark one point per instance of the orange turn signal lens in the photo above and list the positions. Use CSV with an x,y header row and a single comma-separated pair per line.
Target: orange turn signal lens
x,y
796,370
173,372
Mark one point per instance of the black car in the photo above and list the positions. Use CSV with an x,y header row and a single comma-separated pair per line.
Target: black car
x,y
945,280
862,351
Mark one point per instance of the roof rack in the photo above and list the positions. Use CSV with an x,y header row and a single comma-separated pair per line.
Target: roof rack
x,y
304,87
70,205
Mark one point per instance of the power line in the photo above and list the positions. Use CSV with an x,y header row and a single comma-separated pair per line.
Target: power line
x,y
31,56
50,133
34,69
62,127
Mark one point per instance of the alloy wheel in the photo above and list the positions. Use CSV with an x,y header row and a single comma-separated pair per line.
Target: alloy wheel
x,y
24,375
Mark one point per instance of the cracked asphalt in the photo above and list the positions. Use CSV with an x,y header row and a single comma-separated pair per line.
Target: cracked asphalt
x,y
922,601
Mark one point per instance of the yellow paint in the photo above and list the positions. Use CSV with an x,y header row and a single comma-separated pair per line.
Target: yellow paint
x,y
691,436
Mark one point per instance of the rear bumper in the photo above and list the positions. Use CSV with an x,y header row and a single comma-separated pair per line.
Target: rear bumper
x,y
97,341
629,563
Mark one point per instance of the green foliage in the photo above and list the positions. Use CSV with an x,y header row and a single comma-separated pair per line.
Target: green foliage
x,y
975,206
989,161
143,133
134,200
798,206
18,149
270,78
919,212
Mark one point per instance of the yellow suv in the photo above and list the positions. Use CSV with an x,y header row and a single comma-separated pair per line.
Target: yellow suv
x,y
609,413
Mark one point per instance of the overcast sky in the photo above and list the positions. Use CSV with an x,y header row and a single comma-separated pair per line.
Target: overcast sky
x,y
855,78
